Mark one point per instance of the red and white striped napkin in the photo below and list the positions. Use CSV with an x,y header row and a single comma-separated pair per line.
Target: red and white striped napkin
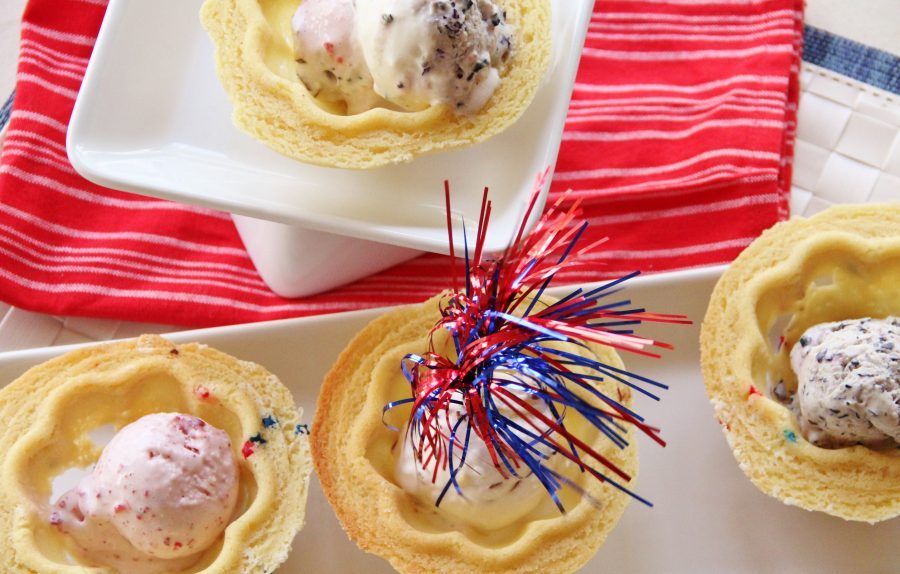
x,y
679,140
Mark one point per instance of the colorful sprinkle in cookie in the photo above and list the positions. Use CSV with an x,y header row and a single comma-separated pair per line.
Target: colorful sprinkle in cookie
x,y
822,433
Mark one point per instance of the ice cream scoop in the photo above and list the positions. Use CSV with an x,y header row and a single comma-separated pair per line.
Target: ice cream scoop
x,y
487,499
163,490
848,376
329,58
426,52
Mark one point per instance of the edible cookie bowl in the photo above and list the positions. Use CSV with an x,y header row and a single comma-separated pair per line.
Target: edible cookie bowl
x,y
841,264
355,452
256,64
55,410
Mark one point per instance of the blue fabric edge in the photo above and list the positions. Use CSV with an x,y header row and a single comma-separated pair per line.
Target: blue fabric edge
x,y
6,110
849,58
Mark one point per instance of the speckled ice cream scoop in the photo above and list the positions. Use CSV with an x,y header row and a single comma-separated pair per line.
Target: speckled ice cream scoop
x,y
848,375
425,52
163,490
329,58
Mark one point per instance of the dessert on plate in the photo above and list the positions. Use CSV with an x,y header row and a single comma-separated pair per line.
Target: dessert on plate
x,y
848,383
490,428
363,84
206,471
800,351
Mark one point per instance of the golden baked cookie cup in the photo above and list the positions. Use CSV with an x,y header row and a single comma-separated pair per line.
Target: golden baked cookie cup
x,y
255,64
353,452
50,410
840,264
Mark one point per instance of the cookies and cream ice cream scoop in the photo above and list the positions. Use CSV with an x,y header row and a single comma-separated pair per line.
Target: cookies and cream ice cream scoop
x,y
848,376
163,490
427,52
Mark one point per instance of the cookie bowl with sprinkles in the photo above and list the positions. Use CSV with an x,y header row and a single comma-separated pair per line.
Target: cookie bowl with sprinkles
x,y
800,351
206,472
368,84
491,428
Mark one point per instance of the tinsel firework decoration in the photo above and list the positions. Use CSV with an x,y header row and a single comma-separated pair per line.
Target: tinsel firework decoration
x,y
508,381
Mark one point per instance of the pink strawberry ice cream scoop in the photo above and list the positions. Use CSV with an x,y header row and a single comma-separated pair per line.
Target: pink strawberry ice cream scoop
x,y
163,491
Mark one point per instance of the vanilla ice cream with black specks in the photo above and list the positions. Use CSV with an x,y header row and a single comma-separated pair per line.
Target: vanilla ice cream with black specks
x,y
848,375
426,52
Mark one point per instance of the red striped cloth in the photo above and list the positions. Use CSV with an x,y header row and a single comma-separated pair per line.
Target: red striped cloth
x,y
679,139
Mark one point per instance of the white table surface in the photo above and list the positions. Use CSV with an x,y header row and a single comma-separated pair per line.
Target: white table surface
x,y
827,151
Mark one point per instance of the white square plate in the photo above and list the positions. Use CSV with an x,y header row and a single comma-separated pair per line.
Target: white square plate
x,y
152,118
708,517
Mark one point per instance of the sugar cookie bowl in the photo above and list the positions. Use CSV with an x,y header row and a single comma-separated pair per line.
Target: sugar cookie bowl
x,y
825,290
489,429
359,462
301,117
205,474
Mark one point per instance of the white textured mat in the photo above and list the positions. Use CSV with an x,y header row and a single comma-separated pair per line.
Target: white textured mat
x,y
848,143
